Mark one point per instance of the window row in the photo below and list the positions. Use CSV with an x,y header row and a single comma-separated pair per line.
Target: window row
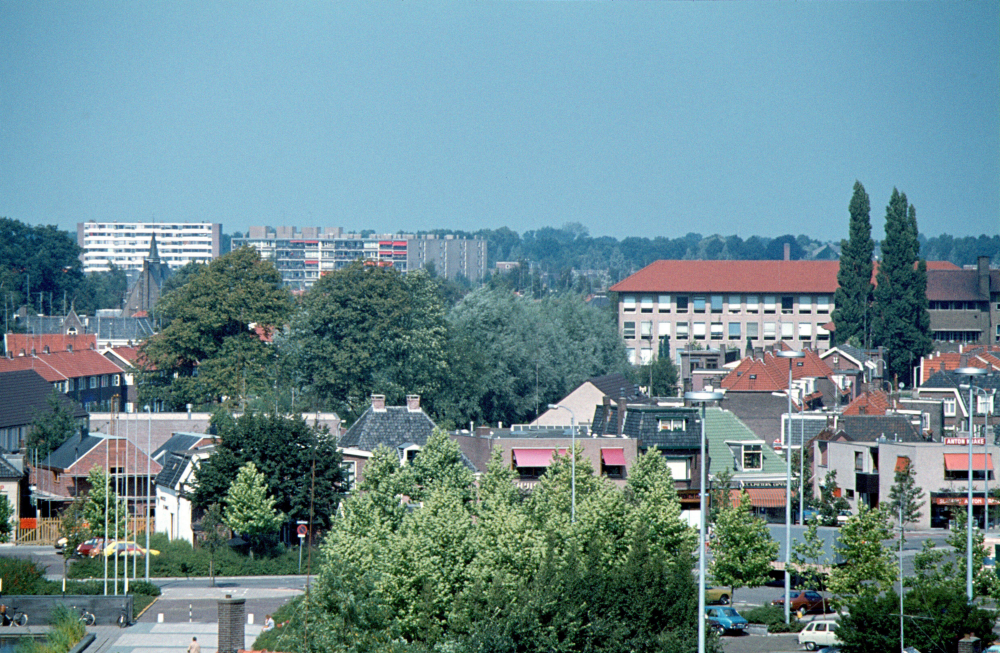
x,y
84,382
726,303
724,331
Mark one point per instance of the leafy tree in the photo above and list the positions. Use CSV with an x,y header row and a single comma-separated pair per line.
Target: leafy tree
x,y
830,501
743,549
52,427
284,449
72,527
249,508
210,330
854,294
905,494
663,373
869,568
102,492
438,464
213,536
809,555
902,321
367,329
42,260
720,493
933,568
103,290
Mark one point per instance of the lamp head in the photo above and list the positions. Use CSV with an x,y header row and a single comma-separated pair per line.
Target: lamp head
x,y
789,353
970,371
703,396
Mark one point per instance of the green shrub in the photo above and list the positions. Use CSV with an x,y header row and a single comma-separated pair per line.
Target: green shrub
x,y
267,641
21,576
774,617
66,631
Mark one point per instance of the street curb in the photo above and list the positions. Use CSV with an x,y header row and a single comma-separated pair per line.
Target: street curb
x,y
146,609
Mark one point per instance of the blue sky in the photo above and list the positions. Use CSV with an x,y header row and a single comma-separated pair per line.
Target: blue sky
x,y
652,119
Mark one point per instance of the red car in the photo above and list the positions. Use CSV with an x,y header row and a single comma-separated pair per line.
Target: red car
x,y
91,547
805,600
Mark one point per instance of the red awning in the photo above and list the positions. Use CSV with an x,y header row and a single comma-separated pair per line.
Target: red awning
x,y
533,457
956,462
903,463
761,497
613,457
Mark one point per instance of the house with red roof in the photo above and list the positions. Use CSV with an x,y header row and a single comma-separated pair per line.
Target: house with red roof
x,y
735,303
84,375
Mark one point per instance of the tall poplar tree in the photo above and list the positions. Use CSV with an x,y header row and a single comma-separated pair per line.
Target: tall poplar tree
x,y
854,279
902,322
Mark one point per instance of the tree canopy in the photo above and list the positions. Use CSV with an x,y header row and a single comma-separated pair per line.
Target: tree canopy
x,y
854,294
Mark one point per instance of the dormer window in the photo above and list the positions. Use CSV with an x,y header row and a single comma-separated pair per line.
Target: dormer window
x,y
671,424
753,457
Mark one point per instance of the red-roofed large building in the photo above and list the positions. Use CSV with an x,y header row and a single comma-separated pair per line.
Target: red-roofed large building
x,y
85,375
710,303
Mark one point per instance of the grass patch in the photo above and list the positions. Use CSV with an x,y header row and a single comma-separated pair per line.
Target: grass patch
x,y
67,630
178,559
267,641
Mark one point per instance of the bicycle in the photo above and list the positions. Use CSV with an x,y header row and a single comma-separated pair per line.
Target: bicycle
x,y
87,618
124,619
12,617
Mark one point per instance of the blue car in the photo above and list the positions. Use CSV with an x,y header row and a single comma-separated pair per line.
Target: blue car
x,y
725,620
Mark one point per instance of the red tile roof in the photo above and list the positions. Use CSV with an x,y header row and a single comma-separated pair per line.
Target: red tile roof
x,y
62,365
982,357
23,342
733,276
770,373
869,403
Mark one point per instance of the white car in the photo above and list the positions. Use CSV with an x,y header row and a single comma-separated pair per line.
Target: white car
x,y
819,633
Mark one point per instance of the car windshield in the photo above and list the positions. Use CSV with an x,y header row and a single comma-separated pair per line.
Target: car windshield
x,y
728,612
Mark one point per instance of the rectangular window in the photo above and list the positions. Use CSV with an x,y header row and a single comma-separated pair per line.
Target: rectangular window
x,y
805,304
769,331
117,381
753,457
699,330
734,331
646,304
93,382
734,304
716,330
664,303
805,330
823,462
104,381
628,332
821,333
664,329
679,469
787,330
949,407
682,304
859,461
787,304
646,329
682,330
983,405
628,302
699,304
645,356
752,330
753,305
822,304
769,303
716,303
630,355
671,424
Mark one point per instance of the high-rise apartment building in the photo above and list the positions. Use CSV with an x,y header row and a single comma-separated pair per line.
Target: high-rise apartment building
x,y
303,255
126,244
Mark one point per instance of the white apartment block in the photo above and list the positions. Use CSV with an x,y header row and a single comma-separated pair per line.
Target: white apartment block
x,y
709,303
126,244
303,255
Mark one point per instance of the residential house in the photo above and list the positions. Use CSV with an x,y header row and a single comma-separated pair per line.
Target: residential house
x,y
585,397
964,305
24,396
946,387
11,479
852,369
710,303
702,369
174,485
84,375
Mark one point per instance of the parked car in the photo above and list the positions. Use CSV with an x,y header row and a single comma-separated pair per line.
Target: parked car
x,y
819,633
724,620
717,595
810,514
91,547
61,544
805,600
127,549
843,516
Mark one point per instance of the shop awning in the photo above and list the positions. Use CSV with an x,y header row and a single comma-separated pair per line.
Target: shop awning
x,y
762,497
613,457
956,462
535,457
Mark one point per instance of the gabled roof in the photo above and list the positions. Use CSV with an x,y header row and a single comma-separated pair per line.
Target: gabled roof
x,y
869,428
25,394
721,426
8,471
59,366
73,449
174,465
770,373
181,442
954,285
875,402
78,446
16,343
389,427
818,277
615,386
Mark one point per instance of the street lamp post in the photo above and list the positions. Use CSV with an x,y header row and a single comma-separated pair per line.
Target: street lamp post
x,y
149,455
789,354
970,372
702,398
572,459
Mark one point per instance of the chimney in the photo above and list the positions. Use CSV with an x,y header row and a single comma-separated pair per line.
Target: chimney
x,y
69,348
378,403
788,251
621,416
413,403
983,267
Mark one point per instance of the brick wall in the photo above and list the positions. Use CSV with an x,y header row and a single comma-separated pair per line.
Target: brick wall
x,y
232,616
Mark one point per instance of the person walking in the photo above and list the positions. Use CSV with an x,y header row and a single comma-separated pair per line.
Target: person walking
x,y
194,646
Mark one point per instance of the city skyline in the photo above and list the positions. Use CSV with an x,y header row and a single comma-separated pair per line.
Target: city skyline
x,y
632,120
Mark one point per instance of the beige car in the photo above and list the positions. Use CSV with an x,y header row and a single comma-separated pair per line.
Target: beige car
x,y
818,634
717,595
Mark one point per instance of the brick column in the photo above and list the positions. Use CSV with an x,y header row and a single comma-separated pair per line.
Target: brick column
x,y
969,644
232,617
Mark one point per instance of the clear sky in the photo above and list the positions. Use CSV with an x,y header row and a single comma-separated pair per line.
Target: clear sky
x,y
651,119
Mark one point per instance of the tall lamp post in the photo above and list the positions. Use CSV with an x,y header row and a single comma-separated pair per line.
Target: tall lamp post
x,y
702,398
572,459
789,354
149,477
970,372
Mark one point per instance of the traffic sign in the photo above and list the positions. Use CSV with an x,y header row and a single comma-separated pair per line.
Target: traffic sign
x,y
303,530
